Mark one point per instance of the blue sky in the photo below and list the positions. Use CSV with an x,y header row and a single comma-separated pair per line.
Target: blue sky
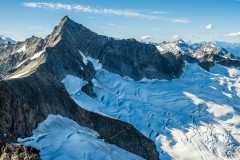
x,y
149,20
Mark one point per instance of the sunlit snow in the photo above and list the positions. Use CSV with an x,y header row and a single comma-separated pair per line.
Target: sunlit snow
x,y
19,75
21,63
38,54
59,138
194,117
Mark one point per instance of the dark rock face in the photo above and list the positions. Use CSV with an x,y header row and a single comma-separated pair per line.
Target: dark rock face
x,y
124,57
19,152
228,62
137,60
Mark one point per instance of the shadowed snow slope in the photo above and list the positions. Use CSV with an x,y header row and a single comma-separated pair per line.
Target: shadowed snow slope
x,y
59,138
193,117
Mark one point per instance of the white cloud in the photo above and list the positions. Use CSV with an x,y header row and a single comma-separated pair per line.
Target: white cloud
x,y
176,37
159,12
180,20
236,34
146,37
209,27
48,5
112,24
32,5
88,9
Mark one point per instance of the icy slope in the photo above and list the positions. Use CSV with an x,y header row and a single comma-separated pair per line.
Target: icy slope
x,y
59,138
194,117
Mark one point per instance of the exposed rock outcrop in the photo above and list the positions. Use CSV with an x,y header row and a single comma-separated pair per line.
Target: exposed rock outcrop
x,y
209,60
18,152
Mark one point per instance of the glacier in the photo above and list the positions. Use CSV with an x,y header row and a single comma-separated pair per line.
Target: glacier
x,y
193,117
60,138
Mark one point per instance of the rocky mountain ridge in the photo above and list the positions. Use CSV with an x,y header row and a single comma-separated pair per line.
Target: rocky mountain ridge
x,y
31,88
19,152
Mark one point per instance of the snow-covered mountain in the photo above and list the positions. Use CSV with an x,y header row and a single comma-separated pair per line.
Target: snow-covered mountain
x,y
209,48
233,48
80,95
198,50
31,88
175,47
6,40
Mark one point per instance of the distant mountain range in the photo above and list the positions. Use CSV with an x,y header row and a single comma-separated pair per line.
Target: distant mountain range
x,y
233,48
6,40
189,47
198,50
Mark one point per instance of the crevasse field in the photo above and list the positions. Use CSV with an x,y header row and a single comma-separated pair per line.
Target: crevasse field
x,y
194,117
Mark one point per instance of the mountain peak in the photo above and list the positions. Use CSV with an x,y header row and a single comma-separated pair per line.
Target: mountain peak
x,y
68,24
71,31
65,24
65,18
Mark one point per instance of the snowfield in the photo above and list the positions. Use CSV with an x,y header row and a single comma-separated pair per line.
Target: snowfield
x,y
59,138
194,117
38,54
